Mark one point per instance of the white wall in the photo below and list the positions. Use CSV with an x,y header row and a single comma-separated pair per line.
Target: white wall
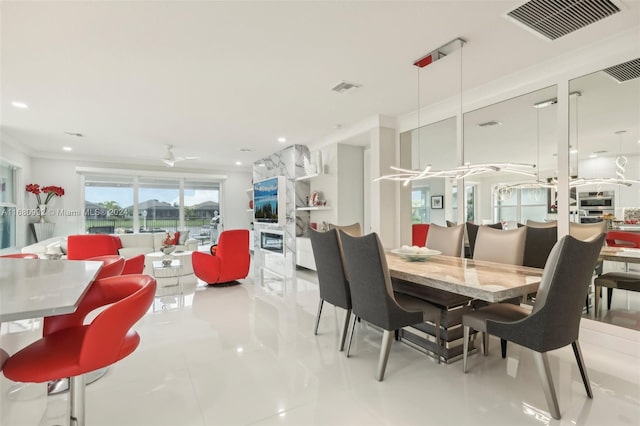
x,y
63,173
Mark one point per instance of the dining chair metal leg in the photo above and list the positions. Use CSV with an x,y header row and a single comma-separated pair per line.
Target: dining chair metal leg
x,y
582,367
353,330
503,348
318,316
465,348
387,338
542,364
345,329
77,400
438,340
485,343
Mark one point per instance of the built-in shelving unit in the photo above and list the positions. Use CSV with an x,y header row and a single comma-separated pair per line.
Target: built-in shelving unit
x,y
307,177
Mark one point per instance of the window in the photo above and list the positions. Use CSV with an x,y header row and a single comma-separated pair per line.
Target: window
x,y
151,204
7,205
108,203
420,204
520,205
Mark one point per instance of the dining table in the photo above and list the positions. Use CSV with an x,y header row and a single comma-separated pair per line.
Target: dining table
x,y
32,288
477,279
620,254
454,285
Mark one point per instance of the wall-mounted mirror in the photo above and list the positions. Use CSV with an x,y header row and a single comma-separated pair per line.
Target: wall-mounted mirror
x,y
432,200
606,132
520,130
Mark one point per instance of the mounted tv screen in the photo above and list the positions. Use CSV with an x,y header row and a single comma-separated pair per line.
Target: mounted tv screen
x,y
269,201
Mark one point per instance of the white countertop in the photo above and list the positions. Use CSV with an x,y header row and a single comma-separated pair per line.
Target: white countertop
x,y
35,288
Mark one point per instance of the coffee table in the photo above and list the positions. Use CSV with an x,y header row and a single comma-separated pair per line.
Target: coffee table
x,y
169,270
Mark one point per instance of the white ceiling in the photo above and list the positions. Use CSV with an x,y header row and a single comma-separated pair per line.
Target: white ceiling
x,y
214,77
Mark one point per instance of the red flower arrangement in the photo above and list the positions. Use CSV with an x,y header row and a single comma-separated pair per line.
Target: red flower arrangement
x,y
51,191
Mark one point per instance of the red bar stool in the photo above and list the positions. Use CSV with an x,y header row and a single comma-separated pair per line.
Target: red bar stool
x,y
76,348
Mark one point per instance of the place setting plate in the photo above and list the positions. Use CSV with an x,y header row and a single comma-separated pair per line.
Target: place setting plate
x,y
413,254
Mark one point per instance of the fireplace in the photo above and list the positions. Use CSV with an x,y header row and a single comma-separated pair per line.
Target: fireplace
x,y
272,241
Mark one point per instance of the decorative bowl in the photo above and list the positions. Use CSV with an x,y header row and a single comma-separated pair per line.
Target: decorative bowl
x,y
413,255
167,249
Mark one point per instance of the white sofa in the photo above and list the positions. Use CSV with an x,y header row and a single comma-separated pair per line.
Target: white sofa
x,y
132,245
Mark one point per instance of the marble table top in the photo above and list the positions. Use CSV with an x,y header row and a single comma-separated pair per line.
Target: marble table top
x,y
620,254
35,288
489,281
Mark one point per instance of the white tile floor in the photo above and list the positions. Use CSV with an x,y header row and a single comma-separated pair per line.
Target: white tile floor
x,y
246,355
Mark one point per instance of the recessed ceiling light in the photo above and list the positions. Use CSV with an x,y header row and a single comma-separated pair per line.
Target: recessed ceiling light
x,y
574,151
238,163
282,139
20,105
67,148
593,155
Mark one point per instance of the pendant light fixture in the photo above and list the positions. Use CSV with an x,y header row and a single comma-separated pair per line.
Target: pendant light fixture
x,y
407,176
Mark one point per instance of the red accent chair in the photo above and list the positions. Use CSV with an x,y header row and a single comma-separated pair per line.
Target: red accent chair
x,y
230,262
112,265
419,233
20,256
134,265
84,246
70,348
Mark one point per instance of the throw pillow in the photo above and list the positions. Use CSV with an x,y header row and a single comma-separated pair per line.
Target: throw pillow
x,y
184,236
171,239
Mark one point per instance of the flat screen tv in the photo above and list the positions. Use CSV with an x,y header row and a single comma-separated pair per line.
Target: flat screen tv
x,y
269,201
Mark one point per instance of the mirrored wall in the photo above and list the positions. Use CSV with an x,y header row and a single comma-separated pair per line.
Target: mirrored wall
x,y
432,200
520,130
605,128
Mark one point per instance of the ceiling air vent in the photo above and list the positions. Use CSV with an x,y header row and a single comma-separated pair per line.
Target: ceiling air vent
x,y
554,19
489,123
344,86
626,71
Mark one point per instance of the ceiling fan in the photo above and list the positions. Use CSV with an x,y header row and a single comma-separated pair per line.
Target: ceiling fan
x,y
170,159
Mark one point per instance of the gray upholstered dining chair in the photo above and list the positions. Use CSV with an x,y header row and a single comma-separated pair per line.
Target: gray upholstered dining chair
x,y
353,229
500,246
535,224
472,234
372,295
447,240
584,232
332,280
555,319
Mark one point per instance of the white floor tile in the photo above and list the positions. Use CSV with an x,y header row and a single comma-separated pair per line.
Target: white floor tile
x,y
247,355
